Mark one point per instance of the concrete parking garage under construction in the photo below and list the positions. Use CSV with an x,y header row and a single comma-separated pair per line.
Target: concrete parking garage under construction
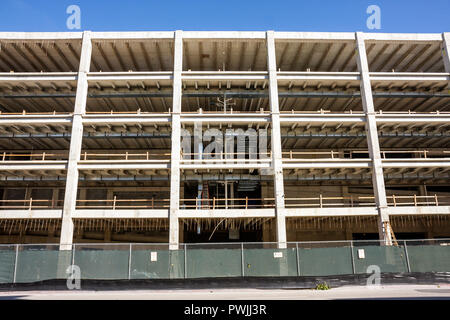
x,y
92,129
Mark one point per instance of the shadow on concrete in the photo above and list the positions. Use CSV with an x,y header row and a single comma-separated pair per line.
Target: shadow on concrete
x,y
12,297
288,283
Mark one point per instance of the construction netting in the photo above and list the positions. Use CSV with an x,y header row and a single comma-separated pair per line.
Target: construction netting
x,y
32,263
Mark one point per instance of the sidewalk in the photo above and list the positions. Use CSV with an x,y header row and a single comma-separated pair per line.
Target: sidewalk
x,y
348,292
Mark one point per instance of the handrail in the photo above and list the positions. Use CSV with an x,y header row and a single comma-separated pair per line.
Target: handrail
x,y
383,153
84,156
25,113
127,112
42,156
223,155
245,203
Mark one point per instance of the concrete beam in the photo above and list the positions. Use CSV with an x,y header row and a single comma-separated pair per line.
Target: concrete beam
x,y
123,164
408,77
223,213
413,117
331,212
226,118
237,118
318,76
162,118
315,36
100,77
33,165
403,37
420,210
207,35
7,120
120,213
416,163
132,35
31,214
224,75
319,118
39,77
232,164
227,213
41,35
325,163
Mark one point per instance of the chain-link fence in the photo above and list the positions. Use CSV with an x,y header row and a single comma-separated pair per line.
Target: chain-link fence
x,y
38,262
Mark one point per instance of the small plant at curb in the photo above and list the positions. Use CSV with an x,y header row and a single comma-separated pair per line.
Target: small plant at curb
x,y
322,286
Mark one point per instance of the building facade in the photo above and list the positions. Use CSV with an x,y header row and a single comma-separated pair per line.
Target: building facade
x,y
183,137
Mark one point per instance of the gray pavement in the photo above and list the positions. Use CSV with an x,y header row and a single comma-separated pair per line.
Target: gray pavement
x,y
348,292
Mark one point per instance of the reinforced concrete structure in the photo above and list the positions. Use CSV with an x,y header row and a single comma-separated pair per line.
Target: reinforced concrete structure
x,y
92,129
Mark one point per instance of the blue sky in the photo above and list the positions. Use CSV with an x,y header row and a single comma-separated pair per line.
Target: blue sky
x,y
281,15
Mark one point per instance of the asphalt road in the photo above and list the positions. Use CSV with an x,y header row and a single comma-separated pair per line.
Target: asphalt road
x,y
348,292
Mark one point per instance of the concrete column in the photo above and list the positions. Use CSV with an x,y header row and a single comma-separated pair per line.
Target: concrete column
x,y
27,193
446,50
345,194
181,237
276,141
348,234
83,196
176,144
55,197
372,141
423,190
232,194
51,234
107,235
70,196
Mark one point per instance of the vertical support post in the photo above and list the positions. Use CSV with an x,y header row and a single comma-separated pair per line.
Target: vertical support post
x,y
185,261
232,194
129,262
73,254
226,194
70,197
372,141
445,46
407,257
15,263
242,259
55,197
298,259
176,137
277,164
353,258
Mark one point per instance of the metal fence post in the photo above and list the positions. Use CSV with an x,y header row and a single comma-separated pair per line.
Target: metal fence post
x,y
353,259
129,263
242,259
298,260
407,257
15,263
73,254
185,261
